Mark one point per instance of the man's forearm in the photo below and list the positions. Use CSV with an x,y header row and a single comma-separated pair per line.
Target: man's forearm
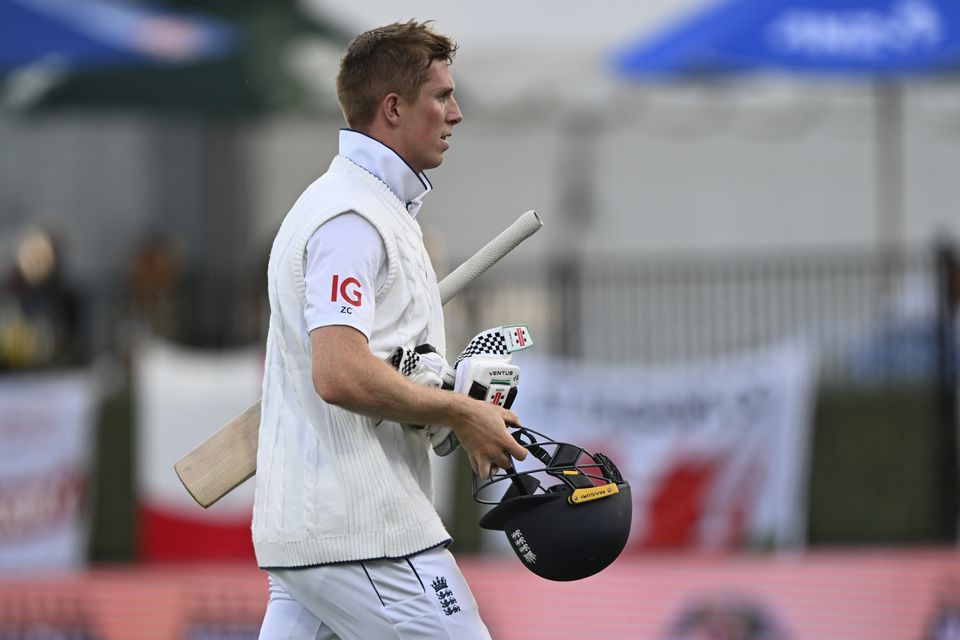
x,y
348,375
381,392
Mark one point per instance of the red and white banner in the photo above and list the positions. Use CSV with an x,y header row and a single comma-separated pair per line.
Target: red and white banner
x,y
182,396
716,453
877,594
46,442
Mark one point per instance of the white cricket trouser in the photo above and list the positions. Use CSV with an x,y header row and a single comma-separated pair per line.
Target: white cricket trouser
x,y
416,598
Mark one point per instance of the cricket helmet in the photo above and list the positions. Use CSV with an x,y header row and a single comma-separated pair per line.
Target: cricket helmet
x,y
566,512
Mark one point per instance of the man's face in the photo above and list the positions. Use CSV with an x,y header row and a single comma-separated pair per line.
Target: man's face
x,y
426,124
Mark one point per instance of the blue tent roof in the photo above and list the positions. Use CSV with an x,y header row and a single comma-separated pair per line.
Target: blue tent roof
x,y
854,38
99,33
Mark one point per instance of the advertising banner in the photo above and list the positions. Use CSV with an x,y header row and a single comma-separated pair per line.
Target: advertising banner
x,y
716,453
46,444
877,594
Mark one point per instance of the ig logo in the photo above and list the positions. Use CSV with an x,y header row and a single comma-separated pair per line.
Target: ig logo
x,y
349,290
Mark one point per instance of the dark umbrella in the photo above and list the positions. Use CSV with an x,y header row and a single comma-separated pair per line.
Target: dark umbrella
x,y
258,77
44,42
97,34
884,42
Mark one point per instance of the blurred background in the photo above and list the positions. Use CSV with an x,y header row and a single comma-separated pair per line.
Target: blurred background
x,y
746,289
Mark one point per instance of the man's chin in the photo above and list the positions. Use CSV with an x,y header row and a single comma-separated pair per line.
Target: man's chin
x,y
434,162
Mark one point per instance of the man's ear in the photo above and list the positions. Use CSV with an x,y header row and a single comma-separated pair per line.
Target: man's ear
x,y
390,106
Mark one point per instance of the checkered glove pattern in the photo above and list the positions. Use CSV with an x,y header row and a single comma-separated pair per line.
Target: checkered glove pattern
x,y
422,365
498,341
489,342
405,361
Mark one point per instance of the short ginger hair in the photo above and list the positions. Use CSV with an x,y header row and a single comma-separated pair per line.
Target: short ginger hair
x,y
390,59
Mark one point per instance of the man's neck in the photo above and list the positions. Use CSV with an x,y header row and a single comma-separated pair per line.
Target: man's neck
x,y
387,165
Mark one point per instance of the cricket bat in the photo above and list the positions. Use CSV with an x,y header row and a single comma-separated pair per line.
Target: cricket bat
x,y
228,458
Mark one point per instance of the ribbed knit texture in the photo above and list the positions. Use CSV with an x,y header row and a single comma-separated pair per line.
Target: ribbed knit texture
x,y
334,486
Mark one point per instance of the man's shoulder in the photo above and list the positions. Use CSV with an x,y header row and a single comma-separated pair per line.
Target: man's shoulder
x,y
351,227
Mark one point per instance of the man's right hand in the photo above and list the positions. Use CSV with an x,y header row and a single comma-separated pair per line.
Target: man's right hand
x,y
484,436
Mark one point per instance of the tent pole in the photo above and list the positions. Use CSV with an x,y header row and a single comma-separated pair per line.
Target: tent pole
x,y
888,124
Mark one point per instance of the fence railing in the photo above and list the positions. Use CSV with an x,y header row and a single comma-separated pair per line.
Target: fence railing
x,y
846,305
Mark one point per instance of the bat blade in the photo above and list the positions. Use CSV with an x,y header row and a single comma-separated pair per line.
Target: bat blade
x,y
228,458
223,461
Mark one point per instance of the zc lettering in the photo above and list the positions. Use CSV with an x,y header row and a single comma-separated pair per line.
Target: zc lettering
x,y
349,290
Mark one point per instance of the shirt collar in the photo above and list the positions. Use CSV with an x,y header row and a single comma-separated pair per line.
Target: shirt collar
x,y
387,165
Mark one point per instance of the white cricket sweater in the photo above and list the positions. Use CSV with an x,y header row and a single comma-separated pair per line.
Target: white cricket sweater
x,y
332,485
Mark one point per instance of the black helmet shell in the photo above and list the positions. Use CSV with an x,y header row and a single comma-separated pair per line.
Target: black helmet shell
x,y
572,529
561,541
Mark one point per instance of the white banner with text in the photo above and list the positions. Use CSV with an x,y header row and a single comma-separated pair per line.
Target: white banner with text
x,y
46,443
716,452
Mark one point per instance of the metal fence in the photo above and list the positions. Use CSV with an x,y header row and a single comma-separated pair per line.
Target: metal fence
x,y
851,307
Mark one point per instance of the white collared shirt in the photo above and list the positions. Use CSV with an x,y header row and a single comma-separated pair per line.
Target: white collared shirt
x,y
377,158
349,247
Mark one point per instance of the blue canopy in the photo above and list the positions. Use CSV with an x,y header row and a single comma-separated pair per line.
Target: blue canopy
x,y
100,33
870,39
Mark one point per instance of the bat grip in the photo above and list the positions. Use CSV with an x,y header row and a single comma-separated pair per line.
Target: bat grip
x,y
522,228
